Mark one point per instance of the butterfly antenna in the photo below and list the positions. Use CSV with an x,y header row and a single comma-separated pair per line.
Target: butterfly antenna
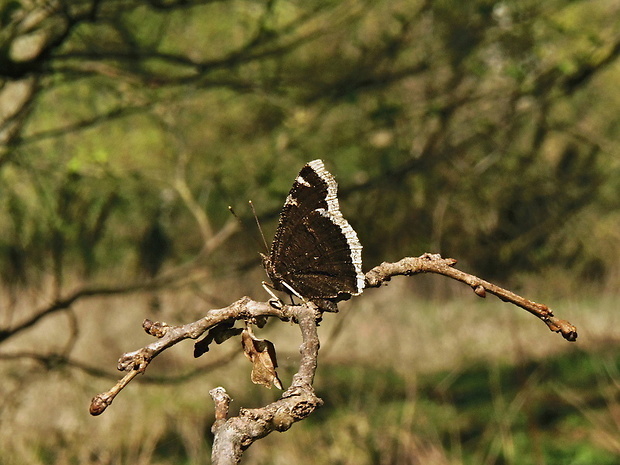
x,y
260,229
241,224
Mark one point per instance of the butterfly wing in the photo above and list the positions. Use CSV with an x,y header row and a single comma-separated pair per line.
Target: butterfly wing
x,y
315,251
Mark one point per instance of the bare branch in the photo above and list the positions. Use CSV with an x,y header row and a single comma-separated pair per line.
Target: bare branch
x,y
434,263
234,435
222,400
136,362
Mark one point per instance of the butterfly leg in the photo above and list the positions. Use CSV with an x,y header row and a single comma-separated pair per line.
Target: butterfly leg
x,y
292,291
275,301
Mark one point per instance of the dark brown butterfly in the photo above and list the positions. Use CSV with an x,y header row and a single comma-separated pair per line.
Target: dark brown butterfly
x,y
315,253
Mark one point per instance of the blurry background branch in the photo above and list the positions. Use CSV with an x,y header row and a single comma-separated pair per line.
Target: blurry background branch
x,y
57,362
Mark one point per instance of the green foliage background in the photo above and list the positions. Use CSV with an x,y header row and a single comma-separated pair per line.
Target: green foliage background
x,y
483,130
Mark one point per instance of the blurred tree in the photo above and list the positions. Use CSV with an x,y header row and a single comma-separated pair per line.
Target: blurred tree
x,y
483,130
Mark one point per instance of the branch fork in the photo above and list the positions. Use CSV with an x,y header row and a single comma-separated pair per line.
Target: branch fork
x,y
235,434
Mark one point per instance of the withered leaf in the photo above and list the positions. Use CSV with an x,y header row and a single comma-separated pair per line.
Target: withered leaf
x,y
219,334
262,354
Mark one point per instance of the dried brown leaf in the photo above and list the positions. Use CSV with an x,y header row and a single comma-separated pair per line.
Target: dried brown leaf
x,y
262,354
218,334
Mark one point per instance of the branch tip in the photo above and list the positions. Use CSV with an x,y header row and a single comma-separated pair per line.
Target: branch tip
x,y
567,330
222,401
99,403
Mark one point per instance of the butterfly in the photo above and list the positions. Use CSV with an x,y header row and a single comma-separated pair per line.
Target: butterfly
x,y
315,253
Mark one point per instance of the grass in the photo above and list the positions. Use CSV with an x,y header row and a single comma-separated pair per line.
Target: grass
x,y
549,412
404,380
